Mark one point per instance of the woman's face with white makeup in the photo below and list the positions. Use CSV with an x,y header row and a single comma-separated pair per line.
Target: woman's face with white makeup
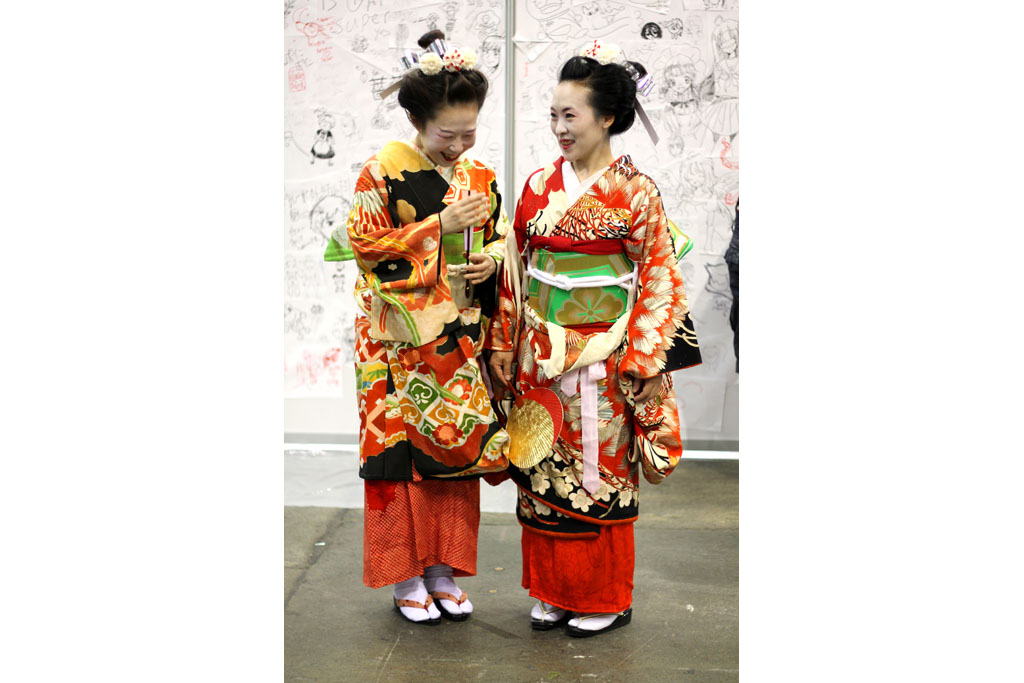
x,y
450,133
574,122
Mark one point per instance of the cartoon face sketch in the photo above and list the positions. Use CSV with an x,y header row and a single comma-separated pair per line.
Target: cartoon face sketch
x,y
676,146
360,44
595,18
726,38
675,27
329,214
347,126
490,53
547,9
678,83
486,24
650,30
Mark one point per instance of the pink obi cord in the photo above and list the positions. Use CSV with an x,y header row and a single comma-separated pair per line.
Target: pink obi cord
x,y
587,385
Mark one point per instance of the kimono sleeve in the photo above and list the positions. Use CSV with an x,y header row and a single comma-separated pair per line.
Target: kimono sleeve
x,y
661,335
501,334
392,257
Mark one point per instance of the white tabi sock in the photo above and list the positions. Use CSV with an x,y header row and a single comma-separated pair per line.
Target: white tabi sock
x,y
593,622
413,589
439,578
542,611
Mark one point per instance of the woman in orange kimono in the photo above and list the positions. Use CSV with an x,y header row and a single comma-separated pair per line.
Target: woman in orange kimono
x,y
427,231
592,307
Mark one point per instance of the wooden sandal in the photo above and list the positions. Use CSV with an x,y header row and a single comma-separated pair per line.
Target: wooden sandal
x,y
417,605
442,595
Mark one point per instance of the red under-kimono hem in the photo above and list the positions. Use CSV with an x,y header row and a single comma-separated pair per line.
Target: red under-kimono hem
x,y
411,525
581,575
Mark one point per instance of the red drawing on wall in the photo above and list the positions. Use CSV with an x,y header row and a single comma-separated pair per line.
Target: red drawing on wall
x,y
726,146
317,370
296,79
317,31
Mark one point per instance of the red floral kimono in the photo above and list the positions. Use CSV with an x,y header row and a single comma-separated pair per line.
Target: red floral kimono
x,y
579,342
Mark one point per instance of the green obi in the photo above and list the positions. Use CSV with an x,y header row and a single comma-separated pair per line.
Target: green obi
x,y
581,305
454,244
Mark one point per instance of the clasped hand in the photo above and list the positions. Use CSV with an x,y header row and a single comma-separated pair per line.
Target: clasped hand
x,y
465,213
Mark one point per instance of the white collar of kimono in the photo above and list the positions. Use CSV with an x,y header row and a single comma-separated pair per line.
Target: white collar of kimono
x,y
574,187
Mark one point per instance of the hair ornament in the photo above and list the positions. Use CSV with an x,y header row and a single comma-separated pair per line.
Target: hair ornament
x,y
408,60
439,55
610,53
430,64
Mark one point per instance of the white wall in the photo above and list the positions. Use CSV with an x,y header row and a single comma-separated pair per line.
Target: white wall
x,y
333,53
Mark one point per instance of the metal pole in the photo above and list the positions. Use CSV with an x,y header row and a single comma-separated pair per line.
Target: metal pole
x,y
510,103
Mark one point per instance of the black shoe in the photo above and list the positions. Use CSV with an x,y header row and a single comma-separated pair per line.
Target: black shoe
x,y
621,620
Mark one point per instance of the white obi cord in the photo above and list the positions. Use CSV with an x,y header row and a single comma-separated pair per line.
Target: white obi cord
x,y
584,380
565,282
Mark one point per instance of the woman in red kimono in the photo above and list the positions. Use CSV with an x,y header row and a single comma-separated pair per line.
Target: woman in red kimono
x,y
427,231
592,308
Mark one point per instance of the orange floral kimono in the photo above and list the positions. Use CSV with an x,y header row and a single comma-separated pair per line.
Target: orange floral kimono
x,y
422,399
425,413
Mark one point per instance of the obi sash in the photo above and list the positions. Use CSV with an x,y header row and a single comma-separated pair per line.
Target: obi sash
x,y
570,288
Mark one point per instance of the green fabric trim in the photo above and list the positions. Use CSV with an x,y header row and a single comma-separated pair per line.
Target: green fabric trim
x,y
680,240
336,252
453,245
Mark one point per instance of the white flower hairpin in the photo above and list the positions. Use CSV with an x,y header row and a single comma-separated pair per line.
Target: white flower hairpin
x,y
430,64
609,53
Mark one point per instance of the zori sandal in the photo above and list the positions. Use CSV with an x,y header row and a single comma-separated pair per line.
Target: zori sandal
x,y
416,605
439,596
544,617
621,619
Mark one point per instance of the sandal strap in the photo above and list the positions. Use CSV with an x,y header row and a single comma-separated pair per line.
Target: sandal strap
x,y
441,595
413,603
545,611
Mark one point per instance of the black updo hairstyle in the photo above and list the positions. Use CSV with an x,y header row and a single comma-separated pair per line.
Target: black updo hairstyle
x,y
421,95
612,90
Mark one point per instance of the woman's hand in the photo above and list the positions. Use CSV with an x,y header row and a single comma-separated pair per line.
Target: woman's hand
x,y
480,268
644,389
500,365
465,213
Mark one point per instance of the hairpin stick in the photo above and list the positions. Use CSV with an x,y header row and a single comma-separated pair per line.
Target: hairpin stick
x,y
409,59
438,47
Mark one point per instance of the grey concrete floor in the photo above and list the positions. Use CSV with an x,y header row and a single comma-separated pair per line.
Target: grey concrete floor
x,y
685,601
